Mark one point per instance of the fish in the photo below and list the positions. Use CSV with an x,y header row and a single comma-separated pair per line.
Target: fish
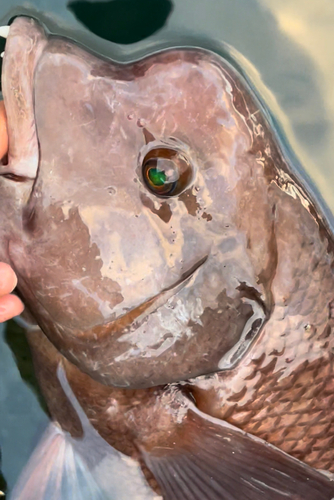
x,y
180,274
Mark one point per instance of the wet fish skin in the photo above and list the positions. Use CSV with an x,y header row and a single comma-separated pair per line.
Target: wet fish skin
x,y
282,391
161,428
246,292
65,234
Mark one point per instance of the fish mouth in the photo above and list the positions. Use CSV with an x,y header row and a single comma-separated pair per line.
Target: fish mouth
x,y
25,42
150,305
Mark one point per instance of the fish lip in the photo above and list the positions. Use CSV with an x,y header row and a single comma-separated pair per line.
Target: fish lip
x,y
24,46
187,274
138,313
158,300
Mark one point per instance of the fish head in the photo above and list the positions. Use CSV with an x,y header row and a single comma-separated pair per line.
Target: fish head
x,y
135,207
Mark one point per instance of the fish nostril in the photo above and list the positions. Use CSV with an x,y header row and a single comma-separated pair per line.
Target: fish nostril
x,y
4,160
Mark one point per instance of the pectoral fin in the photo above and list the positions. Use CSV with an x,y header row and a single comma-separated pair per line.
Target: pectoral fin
x,y
66,468
212,460
56,472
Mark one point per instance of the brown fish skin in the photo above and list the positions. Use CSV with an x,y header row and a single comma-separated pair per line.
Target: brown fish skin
x,y
65,235
283,390
152,421
251,261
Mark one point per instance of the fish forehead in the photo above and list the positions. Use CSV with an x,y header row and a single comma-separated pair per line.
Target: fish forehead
x,y
97,118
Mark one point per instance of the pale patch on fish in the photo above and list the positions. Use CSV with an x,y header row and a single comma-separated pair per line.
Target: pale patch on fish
x,y
66,207
104,306
117,257
166,325
172,248
164,332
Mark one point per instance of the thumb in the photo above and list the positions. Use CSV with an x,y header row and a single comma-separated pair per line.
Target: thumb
x,y
3,131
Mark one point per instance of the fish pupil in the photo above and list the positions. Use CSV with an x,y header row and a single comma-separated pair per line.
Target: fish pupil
x,y
157,177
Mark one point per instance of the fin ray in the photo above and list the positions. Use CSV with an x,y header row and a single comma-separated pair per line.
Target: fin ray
x,y
195,474
210,459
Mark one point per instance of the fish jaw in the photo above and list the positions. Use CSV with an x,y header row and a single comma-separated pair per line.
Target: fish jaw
x,y
25,43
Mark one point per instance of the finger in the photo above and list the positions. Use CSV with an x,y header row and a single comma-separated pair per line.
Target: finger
x,y
3,131
8,279
10,306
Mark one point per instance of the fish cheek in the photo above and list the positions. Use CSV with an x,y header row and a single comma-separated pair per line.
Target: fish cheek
x,y
60,271
164,212
223,325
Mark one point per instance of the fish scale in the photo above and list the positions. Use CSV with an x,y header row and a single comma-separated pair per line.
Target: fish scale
x,y
291,425
286,397
294,413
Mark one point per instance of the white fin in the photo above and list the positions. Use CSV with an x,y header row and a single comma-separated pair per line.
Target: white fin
x,y
4,31
56,472
64,468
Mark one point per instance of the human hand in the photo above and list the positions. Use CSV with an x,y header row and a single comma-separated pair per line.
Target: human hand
x,y
3,131
10,305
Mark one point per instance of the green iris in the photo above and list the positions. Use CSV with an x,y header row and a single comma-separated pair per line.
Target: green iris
x,y
157,177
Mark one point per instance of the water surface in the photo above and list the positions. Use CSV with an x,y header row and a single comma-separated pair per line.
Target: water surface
x,y
283,48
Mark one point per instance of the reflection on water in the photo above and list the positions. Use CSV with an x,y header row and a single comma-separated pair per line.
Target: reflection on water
x,y
122,21
285,49
22,415
310,27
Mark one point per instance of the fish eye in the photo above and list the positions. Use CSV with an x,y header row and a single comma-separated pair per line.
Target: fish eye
x,y
166,172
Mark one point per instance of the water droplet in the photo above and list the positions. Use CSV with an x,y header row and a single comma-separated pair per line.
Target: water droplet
x,y
141,122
